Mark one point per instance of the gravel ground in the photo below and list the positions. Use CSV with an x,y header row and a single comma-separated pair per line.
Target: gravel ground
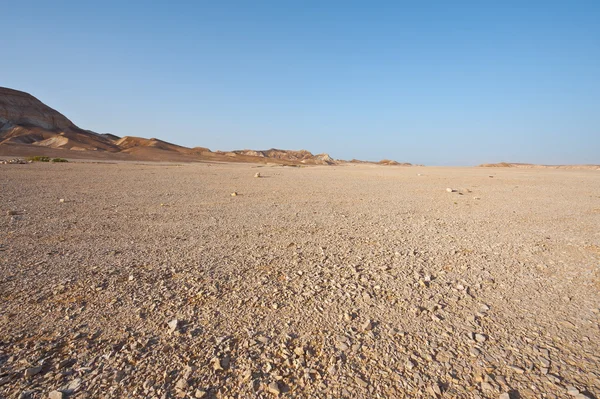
x,y
153,281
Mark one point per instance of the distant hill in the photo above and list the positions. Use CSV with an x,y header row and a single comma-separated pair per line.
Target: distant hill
x,y
30,127
530,165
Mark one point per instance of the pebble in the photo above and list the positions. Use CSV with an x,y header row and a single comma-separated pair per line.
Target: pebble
x,y
450,190
182,384
30,372
56,395
61,200
361,383
257,174
273,388
504,395
516,369
11,213
173,325
234,194
486,386
199,394
367,326
480,338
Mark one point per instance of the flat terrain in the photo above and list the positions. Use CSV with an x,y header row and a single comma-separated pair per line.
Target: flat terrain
x,y
152,281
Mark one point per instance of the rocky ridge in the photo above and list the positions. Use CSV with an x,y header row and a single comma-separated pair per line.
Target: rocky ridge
x,y
29,127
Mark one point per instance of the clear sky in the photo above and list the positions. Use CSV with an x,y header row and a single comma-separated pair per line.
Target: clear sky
x,y
433,82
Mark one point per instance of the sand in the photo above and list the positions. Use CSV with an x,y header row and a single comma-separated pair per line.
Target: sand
x,y
357,281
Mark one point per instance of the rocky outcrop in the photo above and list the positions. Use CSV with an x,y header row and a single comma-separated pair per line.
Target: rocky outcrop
x,y
26,120
301,156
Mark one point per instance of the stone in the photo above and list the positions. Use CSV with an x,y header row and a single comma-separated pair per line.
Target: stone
x,y
182,384
216,363
61,200
571,390
516,369
504,395
173,325
12,213
361,383
234,194
474,352
486,386
450,190
30,372
257,174
56,395
480,338
367,325
273,388
199,394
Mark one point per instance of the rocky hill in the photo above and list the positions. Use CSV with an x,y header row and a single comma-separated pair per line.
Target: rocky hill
x,y
30,127
530,165
27,121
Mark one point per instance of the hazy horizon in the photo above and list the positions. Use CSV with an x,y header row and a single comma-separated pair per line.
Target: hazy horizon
x,y
436,84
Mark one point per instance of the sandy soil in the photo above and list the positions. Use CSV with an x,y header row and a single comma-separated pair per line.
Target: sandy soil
x,y
152,281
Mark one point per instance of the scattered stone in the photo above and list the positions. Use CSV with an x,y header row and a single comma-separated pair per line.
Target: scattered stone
x,y
30,372
216,363
480,338
361,383
234,194
173,325
516,369
182,384
273,388
56,395
486,386
257,174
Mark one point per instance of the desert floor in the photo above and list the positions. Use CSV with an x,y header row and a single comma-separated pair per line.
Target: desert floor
x,y
123,280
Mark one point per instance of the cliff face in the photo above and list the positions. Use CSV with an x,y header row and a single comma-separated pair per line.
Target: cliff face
x,y
26,120
19,108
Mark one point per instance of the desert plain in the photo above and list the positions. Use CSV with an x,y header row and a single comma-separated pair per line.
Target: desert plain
x,y
151,280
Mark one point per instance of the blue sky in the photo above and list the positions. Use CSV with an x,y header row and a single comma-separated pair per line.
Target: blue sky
x,y
433,82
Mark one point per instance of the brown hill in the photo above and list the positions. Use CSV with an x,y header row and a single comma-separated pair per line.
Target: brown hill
x,y
530,165
26,120
302,156
29,127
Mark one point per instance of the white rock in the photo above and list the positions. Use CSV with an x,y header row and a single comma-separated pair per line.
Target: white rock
x,y
480,338
173,325
56,395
